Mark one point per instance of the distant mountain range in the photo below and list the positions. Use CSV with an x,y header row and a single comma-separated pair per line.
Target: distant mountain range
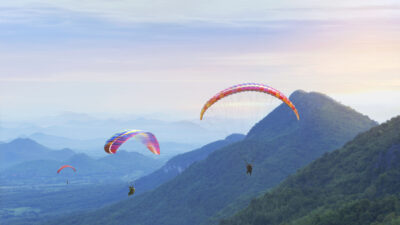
x,y
84,129
94,147
24,161
357,184
23,149
56,142
216,187
95,184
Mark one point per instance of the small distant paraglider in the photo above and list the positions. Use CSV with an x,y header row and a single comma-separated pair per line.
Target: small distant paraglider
x,y
66,166
249,169
131,190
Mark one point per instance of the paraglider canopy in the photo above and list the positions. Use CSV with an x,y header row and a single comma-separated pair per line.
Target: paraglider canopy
x,y
118,139
65,166
254,87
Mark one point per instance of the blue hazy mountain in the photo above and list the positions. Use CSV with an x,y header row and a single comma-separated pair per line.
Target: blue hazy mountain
x,y
83,127
32,189
179,163
216,187
26,162
96,183
56,142
23,149
93,147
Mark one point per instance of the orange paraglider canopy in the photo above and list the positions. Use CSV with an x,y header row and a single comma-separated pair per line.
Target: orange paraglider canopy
x,y
254,87
65,166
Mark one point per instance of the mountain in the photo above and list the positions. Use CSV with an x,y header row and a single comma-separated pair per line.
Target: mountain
x,y
168,149
94,147
32,190
218,186
91,186
132,164
55,142
25,162
124,166
357,184
85,127
179,163
23,149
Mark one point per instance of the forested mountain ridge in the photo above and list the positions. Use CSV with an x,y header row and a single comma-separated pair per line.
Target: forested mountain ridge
x,y
357,184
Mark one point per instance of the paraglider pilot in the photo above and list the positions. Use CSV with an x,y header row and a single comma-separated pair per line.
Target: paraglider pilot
x,y
249,168
131,190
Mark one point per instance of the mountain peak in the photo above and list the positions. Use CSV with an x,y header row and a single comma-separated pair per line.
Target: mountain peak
x,y
24,142
297,93
316,110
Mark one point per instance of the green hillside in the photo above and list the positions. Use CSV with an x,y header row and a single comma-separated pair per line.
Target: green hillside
x,y
218,186
357,184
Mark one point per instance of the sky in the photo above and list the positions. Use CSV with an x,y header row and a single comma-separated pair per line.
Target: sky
x,y
166,58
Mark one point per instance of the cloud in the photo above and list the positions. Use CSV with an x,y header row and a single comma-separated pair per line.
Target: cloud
x,y
183,11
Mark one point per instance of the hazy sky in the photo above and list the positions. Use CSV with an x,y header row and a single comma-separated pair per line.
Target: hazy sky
x,y
169,57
